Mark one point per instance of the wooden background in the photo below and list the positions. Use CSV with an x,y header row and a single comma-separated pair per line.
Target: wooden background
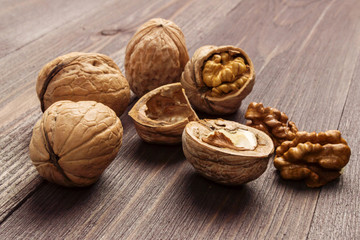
x,y
307,59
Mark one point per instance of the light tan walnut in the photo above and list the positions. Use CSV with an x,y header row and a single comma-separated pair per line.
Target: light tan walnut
x,y
217,79
161,115
155,56
271,121
83,77
74,142
316,157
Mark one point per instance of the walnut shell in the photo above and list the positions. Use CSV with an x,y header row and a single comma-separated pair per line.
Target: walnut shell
x,y
221,162
83,77
231,80
156,55
316,157
74,142
271,121
161,115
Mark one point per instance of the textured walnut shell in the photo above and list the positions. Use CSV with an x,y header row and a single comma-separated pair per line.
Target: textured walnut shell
x,y
224,165
83,77
155,56
161,115
197,91
316,157
74,142
271,121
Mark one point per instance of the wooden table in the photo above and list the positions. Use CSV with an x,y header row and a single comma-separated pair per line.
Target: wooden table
x,y
307,59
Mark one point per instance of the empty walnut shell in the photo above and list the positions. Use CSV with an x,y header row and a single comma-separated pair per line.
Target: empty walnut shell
x,y
271,121
217,79
215,154
83,77
155,56
316,157
160,115
74,142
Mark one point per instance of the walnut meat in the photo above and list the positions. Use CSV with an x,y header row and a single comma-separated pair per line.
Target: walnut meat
x,y
316,157
74,142
83,77
155,56
226,152
217,79
160,115
271,121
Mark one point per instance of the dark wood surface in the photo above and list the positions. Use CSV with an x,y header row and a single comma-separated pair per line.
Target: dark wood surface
x,y
307,59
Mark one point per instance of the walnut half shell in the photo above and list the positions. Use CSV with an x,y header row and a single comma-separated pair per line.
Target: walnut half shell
x,y
74,142
160,115
217,79
226,152
316,157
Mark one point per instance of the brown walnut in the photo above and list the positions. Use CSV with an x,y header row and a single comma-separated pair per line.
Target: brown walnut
x,y
160,115
83,77
74,142
226,152
155,56
271,121
217,79
316,157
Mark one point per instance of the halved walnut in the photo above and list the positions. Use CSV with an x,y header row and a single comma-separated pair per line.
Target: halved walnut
x,y
316,157
217,79
271,121
226,152
161,115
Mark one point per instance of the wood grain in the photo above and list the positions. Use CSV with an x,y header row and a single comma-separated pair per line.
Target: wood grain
x,y
307,59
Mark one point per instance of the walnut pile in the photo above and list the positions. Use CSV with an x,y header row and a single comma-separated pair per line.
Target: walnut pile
x,y
83,77
316,157
271,121
156,55
74,142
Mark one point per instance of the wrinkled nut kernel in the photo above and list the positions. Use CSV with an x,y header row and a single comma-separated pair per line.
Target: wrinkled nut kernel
x,y
316,157
271,121
226,152
83,77
156,55
224,73
160,115
217,79
74,142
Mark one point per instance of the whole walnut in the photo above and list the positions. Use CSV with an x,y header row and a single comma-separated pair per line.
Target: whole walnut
x,y
83,77
156,55
74,142
217,79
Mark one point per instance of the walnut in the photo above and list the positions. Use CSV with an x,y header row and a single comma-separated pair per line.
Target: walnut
x,y
160,115
316,157
217,79
83,76
226,152
74,142
155,56
271,121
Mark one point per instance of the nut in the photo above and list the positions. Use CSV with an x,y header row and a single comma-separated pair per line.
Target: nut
x,y
226,152
160,115
74,142
155,56
83,77
271,121
316,157
217,79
